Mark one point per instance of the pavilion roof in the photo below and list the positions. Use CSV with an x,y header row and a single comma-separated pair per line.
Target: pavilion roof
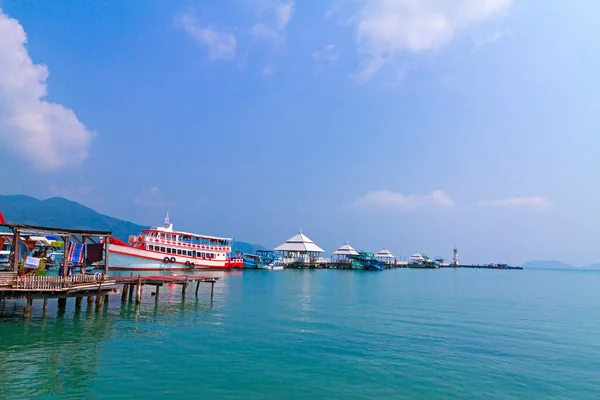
x,y
345,250
300,243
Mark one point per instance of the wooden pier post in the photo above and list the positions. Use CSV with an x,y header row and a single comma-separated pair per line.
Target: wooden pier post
x,y
45,307
27,311
106,298
131,287
90,301
62,302
197,287
124,294
99,302
78,301
212,289
184,289
138,295
157,291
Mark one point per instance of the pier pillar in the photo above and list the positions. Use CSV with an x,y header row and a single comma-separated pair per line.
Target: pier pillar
x,y
106,298
45,307
157,291
62,302
183,289
131,287
90,301
197,287
78,301
27,311
212,289
99,302
124,294
138,295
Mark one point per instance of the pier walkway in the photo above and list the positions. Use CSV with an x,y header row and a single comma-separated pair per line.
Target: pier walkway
x,y
96,288
137,283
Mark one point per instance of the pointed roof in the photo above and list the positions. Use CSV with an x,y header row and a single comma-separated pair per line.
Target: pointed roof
x,y
345,250
417,257
384,253
300,243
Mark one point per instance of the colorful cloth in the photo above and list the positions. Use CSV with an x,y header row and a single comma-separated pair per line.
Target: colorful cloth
x,y
94,252
22,250
32,262
76,252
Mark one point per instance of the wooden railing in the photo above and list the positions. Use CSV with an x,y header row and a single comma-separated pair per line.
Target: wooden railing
x,y
57,282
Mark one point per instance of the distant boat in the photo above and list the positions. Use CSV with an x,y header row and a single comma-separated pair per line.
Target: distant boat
x,y
163,248
366,260
251,261
263,259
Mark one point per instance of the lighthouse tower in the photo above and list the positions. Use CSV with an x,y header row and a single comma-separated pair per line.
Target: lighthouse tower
x,y
455,257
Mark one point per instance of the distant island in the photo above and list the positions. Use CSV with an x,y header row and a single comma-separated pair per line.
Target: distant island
x,y
63,213
553,264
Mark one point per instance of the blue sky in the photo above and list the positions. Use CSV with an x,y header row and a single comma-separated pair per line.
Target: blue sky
x,y
415,125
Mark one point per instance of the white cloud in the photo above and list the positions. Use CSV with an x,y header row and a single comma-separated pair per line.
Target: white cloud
x,y
221,44
47,134
264,32
386,200
327,55
268,70
490,39
387,27
535,202
281,13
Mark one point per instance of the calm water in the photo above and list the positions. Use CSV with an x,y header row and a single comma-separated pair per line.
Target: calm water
x,y
473,334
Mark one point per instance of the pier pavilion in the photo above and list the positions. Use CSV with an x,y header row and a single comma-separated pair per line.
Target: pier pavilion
x,y
416,258
385,256
299,249
342,255
343,252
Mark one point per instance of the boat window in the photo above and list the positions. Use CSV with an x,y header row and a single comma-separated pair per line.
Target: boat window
x,y
150,247
168,250
194,253
162,249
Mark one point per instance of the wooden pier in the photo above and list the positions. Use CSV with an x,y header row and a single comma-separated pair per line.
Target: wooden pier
x,y
135,284
96,288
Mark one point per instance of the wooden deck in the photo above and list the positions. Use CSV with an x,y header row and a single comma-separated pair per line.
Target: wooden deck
x,y
137,283
96,288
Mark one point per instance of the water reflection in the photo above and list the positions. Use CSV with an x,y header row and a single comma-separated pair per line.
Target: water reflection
x,y
62,353
43,356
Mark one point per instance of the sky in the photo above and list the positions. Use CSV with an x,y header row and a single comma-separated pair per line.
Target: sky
x,y
418,125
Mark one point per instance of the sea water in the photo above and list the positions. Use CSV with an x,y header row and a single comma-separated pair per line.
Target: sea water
x,y
319,334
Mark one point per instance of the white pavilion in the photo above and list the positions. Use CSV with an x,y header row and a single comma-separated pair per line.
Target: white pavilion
x,y
385,256
299,248
344,251
416,258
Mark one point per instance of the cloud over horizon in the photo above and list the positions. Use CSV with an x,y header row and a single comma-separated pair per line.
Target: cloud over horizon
x,y
282,13
48,135
535,202
385,28
386,200
221,44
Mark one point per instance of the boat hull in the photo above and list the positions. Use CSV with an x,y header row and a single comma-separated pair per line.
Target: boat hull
x,y
129,258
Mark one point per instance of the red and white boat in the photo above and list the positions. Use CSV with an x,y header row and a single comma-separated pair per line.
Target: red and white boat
x,y
163,249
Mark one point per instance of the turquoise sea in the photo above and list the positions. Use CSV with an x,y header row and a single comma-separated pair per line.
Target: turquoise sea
x,y
320,334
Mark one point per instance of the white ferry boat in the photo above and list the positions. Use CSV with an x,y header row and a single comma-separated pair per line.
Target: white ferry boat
x,y
162,248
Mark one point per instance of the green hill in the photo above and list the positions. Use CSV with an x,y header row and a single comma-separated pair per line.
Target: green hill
x,y
62,213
